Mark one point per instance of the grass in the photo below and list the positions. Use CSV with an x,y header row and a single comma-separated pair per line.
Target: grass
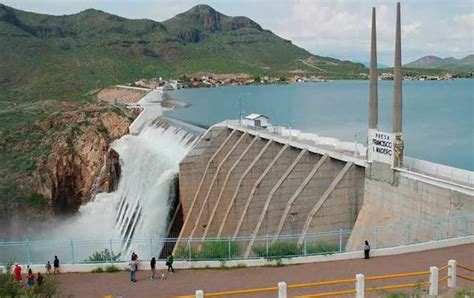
x,y
464,292
284,249
211,250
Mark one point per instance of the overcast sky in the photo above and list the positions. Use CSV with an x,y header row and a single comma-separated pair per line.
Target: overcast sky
x,y
333,28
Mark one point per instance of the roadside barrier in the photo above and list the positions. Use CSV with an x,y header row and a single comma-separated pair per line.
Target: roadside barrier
x,y
359,281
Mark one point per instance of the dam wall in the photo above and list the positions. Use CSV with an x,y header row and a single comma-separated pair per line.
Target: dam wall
x,y
238,182
411,196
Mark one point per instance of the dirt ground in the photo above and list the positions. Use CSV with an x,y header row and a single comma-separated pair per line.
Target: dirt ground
x,y
121,95
185,282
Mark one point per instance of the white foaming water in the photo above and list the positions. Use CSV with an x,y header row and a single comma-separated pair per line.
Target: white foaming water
x,y
138,210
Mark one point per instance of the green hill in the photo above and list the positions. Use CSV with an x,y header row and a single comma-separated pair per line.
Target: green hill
x,y
465,64
45,56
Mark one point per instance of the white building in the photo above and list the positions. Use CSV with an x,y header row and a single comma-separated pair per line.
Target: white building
x,y
256,120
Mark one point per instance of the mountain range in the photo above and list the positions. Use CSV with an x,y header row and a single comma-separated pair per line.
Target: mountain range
x,y
44,56
450,63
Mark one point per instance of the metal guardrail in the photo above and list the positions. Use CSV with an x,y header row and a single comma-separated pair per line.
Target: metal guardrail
x,y
227,248
359,284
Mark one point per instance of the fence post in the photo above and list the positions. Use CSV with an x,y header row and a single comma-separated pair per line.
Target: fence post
x,y
28,253
229,249
111,253
452,273
151,248
189,251
438,229
199,294
433,281
407,234
304,246
72,251
282,289
465,226
375,237
266,246
360,286
340,240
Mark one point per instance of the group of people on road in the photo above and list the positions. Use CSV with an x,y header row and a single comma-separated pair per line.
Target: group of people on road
x,y
31,279
134,266
55,266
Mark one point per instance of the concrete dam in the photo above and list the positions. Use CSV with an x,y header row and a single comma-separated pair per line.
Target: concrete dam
x,y
237,182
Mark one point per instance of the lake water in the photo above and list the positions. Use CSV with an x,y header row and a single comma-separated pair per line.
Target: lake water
x,y
438,116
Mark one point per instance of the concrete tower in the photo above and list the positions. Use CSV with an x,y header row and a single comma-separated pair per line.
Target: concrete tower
x,y
397,95
373,97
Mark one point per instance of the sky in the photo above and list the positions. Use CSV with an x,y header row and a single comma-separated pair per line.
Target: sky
x,y
335,28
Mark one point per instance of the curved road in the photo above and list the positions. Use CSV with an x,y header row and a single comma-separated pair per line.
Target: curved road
x,y
185,282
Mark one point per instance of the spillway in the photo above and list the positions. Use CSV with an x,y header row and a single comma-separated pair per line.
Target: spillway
x,y
142,206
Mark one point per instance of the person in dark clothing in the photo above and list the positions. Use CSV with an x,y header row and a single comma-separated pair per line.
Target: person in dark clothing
x,y
39,279
169,263
153,268
30,279
56,265
367,249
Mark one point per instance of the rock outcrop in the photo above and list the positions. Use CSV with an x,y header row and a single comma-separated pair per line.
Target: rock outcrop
x,y
66,178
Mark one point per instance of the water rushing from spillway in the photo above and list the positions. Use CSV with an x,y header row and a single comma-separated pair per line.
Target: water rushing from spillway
x,y
140,207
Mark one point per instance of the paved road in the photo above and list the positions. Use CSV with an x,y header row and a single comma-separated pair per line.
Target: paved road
x,y
185,282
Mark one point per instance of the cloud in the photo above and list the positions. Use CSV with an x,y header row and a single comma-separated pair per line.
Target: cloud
x,y
342,28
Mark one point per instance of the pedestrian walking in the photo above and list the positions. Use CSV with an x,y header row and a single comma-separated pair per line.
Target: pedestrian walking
x,y
133,270
367,250
48,267
169,263
153,268
30,278
39,279
56,265
17,272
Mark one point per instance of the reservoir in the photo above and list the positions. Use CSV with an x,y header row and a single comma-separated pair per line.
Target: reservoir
x,y
438,116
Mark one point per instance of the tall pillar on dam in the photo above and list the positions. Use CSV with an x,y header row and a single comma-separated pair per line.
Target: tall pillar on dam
x,y
373,76
397,95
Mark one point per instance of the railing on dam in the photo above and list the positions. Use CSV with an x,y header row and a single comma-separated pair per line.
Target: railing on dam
x,y
438,170
227,248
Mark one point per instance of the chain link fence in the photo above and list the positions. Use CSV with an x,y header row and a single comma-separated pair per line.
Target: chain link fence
x,y
228,248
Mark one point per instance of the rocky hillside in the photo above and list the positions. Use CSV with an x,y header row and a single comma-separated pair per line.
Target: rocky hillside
x,y
51,169
450,63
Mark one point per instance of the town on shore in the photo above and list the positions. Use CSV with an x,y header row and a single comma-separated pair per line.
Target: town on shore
x,y
200,80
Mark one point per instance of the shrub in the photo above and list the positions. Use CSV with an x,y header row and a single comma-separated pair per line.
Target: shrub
x,y
464,292
111,269
102,256
278,249
321,248
11,288
8,286
282,248
97,270
210,250
218,250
